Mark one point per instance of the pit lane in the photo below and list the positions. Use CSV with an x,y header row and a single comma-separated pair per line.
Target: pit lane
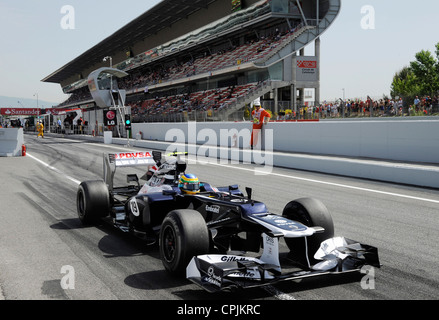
x,y
41,233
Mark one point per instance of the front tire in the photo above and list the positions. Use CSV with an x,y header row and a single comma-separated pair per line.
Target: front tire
x,y
183,235
310,212
92,201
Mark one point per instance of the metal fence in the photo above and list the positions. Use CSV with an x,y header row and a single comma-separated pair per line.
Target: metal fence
x,y
285,113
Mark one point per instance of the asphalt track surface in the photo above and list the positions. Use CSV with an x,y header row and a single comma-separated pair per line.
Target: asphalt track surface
x,y
40,234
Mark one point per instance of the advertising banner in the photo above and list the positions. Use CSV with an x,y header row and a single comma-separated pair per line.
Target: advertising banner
x,y
110,118
19,112
306,69
29,112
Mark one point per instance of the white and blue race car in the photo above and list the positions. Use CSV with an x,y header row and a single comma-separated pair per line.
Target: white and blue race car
x,y
219,238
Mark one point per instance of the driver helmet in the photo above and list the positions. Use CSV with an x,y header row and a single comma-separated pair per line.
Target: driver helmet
x,y
189,183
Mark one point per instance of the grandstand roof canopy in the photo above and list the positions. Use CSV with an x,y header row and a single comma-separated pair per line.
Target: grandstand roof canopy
x,y
165,13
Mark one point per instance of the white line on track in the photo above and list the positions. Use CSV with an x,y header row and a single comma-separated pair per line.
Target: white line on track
x,y
324,182
54,169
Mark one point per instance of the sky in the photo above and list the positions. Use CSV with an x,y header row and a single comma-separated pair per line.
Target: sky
x,y
367,44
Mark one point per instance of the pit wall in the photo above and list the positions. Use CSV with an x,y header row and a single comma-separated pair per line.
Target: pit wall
x,y
405,140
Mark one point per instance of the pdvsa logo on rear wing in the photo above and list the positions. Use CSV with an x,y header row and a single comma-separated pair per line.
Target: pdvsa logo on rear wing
x,y
125,159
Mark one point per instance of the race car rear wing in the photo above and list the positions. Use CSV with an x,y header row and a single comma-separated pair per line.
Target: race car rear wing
x,y
127,159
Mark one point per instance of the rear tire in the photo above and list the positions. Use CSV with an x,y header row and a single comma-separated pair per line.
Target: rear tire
x,y
183,235
92,201
310,212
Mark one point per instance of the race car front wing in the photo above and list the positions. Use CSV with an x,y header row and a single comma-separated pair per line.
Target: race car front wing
x,y
216,272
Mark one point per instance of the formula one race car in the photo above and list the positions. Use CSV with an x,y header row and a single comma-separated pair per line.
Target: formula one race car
x,y
216,235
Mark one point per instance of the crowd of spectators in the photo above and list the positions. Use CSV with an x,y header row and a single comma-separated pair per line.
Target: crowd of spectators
x,y
384,107
425,105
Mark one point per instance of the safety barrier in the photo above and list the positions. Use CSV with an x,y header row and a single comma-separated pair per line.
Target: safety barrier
x,y
11,142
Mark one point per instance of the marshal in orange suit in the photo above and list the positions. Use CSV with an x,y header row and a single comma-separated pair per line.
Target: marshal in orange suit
x,y
260,117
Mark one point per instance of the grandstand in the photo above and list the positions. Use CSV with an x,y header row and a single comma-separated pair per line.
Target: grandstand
x,y
206,59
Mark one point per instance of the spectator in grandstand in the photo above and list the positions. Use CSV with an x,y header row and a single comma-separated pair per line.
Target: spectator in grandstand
x,y
260,117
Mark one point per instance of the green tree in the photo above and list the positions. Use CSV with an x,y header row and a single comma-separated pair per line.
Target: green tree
x,y
420,78
425,70
405,85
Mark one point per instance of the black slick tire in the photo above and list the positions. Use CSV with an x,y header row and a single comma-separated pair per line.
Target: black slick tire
x,y
310,212
92,201
183,235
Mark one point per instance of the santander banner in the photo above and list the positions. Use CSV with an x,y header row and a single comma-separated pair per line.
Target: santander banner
x,y
28,111
19,112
